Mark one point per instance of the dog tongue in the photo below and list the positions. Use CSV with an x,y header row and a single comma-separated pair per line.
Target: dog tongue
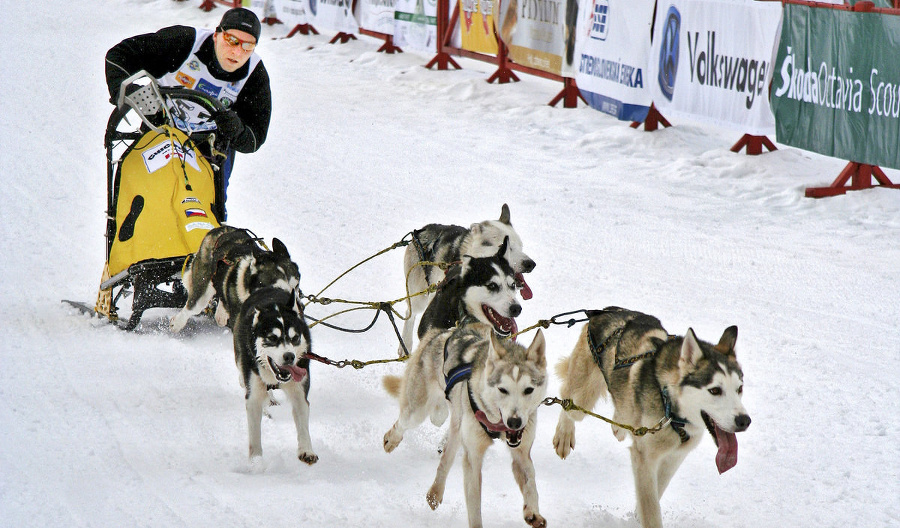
x,y
297,373
726,458
526,291
512,328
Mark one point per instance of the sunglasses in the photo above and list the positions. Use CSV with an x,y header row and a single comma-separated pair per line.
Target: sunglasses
x,y
231,40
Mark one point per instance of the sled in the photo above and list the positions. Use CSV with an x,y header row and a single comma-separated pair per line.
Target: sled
x,y
164,190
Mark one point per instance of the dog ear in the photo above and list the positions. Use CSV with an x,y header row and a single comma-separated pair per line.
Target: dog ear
x,y
459,271
504,214
292,304
279,248
691,352
497,350
503,246
727,341
537,350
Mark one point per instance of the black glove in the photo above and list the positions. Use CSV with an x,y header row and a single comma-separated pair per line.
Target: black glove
x,y
229,124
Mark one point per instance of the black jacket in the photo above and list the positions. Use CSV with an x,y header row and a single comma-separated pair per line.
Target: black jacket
x,y
164,51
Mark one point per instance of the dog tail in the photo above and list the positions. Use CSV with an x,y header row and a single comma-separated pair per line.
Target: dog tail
x,y
392,385
562,368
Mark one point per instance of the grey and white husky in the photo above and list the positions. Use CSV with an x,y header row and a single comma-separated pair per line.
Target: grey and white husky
x,y
494,387
479,289
271,341
654,378
229,265
448,243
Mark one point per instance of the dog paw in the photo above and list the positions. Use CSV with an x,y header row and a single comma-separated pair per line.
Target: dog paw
x,y
564,439
391,440
535,520
307,457
176,324
435,497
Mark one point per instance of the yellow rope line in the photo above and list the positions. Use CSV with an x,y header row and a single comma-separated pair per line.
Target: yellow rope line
x,y
569,405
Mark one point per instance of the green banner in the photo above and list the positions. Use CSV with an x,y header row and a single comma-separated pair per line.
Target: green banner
x,y
836,88
415,18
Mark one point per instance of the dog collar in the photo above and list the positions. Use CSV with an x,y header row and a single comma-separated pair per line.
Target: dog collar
x,y
676,422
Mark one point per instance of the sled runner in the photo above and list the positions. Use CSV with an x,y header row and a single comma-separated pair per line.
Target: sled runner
x,y
164,191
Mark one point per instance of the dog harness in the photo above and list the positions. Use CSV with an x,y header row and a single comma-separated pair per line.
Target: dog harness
x,y
420,249
461,373
597,351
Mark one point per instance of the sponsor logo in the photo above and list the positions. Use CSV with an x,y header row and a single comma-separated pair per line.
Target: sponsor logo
x,y
668,53
206,226
185,80
209,88
830,87
190,199
737,74
599,20
194,212
194,65
167,151
613,71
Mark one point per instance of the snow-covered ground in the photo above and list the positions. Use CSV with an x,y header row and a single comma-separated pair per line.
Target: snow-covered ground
x,y
99,427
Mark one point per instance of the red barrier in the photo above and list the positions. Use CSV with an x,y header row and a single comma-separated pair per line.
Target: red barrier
x,y
388,46
653,120
754,144
446,25
209,5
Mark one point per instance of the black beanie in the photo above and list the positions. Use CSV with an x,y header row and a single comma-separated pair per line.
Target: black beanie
x,y
241,19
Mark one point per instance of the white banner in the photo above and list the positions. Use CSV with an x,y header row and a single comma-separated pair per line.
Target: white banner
x,y
324,15
415,25
292,12
712,60
376,15
612,47
336,15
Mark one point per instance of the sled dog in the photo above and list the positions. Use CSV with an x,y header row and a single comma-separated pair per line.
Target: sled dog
x,y
271,341
229,265
448,243
494,387
654,377
479,289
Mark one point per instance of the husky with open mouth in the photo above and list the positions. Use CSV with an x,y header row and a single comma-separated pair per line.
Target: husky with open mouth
x,y
479,289
271,343
494,388
682,384
448,243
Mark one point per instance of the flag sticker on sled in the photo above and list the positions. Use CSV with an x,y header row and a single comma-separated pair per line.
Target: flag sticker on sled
x,y
166,152
206,226
194,212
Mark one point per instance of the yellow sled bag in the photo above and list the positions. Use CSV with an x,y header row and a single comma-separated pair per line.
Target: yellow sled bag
x,y
164,204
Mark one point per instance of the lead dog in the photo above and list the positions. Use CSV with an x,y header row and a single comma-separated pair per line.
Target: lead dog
x,y
653,377
494,387
271,341
448,243
229,265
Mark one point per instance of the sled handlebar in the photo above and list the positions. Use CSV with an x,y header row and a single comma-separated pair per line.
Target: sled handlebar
x,y
149,99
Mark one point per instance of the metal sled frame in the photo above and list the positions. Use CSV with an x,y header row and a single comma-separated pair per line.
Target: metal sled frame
x,y
152,283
